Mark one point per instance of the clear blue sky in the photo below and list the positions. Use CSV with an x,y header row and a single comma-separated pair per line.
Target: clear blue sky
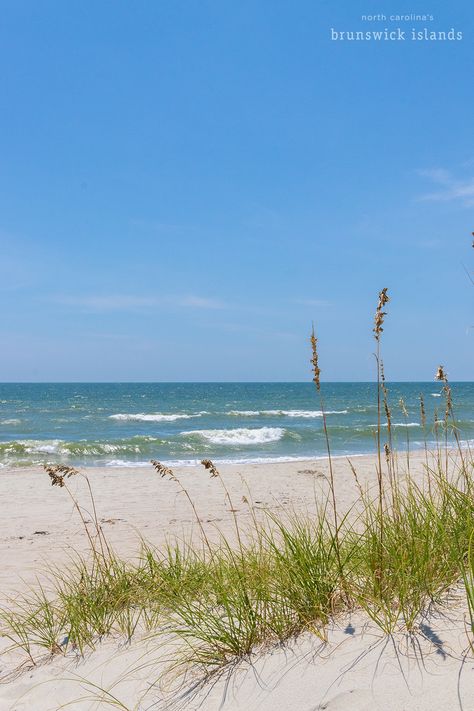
x,y
186,185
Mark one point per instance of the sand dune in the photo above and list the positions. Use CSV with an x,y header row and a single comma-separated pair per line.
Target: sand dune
x,y
356,668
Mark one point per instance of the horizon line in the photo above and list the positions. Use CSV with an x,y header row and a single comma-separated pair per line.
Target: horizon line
x,y
209,382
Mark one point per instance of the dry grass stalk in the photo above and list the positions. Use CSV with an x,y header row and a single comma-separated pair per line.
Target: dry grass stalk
x,y
314,361
441,375
166,472
58,473
404,410
422,412
377,330
317,382
391,464
211,467
423,424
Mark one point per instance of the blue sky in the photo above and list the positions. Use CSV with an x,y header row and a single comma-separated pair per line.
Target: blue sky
x,y
186,185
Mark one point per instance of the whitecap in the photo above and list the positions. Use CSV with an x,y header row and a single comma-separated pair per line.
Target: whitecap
x,y
12,421
240,435
244,413
305,414
154,417
406,424
32,446
395,424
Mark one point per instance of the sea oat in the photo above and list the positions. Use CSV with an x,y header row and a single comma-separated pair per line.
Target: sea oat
x,y
403,408
210,466
380,313
422,411
443,377
58,472
162,470
314,360
388,413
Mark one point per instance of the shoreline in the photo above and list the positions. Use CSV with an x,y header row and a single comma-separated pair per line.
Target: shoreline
x,y
184,463
419,449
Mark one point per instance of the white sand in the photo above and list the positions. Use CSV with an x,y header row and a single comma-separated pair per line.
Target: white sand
x,y
357,669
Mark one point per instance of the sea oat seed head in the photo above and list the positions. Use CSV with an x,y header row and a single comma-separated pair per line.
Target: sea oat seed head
x,y
380,313
383,298
58,472
162,470
403,408
314,360
441,375
211,467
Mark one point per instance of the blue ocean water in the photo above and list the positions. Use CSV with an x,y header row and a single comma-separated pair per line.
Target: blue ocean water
x,y
119,424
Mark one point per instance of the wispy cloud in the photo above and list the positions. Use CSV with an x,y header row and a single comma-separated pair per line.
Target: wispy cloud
x,y
131,302
449,187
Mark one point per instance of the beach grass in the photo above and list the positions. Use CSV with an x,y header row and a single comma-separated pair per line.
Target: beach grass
x,y
394,554
224,600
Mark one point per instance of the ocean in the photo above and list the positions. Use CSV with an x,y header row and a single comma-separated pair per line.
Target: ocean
x,y
127,424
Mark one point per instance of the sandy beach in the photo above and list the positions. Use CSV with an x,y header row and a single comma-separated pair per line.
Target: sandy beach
x,y
40,527
355,668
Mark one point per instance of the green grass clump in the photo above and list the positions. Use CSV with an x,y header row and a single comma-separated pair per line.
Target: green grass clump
x,y
287,576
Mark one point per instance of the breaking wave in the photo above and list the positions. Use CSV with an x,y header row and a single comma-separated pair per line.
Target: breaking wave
x,y
238,436
154,417
305,414
77,449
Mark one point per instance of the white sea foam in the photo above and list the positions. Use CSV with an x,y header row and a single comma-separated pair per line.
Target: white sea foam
x,y
66,449
243,413
240,435
306,414
233,461
154,417
395,424
303,413
435,394
399,424
12,421
406,424
44,447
